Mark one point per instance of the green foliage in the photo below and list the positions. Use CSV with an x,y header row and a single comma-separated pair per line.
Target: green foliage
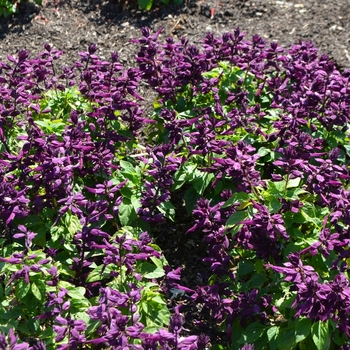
x,y
84,242
8,8
147,4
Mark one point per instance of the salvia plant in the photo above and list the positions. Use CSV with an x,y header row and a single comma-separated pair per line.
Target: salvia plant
x,y
247,148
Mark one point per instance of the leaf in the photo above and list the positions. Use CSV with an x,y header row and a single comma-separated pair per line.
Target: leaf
x,y
96,275
191,197
168,210
145,4
245,267
36,291
201,181
150,329
158,262
126,213
263,151
302,329
155,274
76,292
150,271
276,188
11,316
57,232
153,313
274,205
293,182
272,334
286,339
130,172
307,218
236,218
237,331
321,335
253,332
240,197
22,289
135,201
347,149
72,223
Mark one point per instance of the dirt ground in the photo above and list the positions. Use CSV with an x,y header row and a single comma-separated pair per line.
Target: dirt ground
x,y
71,25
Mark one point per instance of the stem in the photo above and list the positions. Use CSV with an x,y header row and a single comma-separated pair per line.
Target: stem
x,y
285,186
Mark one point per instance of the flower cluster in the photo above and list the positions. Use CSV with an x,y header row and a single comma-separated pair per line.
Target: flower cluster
x,y
246,138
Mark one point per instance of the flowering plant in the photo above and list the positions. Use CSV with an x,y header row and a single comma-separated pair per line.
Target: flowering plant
x,y
247,148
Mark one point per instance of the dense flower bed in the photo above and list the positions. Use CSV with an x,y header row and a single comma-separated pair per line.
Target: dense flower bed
x,y
254,138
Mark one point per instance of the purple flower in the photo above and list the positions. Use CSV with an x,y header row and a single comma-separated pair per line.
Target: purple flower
x,y
248,347
295,270
326,243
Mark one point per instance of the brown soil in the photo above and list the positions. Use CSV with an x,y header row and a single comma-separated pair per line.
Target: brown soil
x,y
71,25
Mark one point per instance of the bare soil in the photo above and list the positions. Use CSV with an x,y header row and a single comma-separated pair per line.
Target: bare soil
x,y
71,25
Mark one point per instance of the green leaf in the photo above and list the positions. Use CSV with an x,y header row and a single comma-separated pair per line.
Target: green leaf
x,y
302,329
150,271
263,151
307,344
22,289
321,335
11,316
36,291
237,331
158,262
154,314
253,332
245,267
286,339
51,126
150,329
347,149
135,201
168,210
293,182
96,274
236,218
276,188
76,292
272,334
339,339
57,232
274,205
130,172
201,181
191,197
155,274
72,223
126,214
145,4
158,299
240,197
